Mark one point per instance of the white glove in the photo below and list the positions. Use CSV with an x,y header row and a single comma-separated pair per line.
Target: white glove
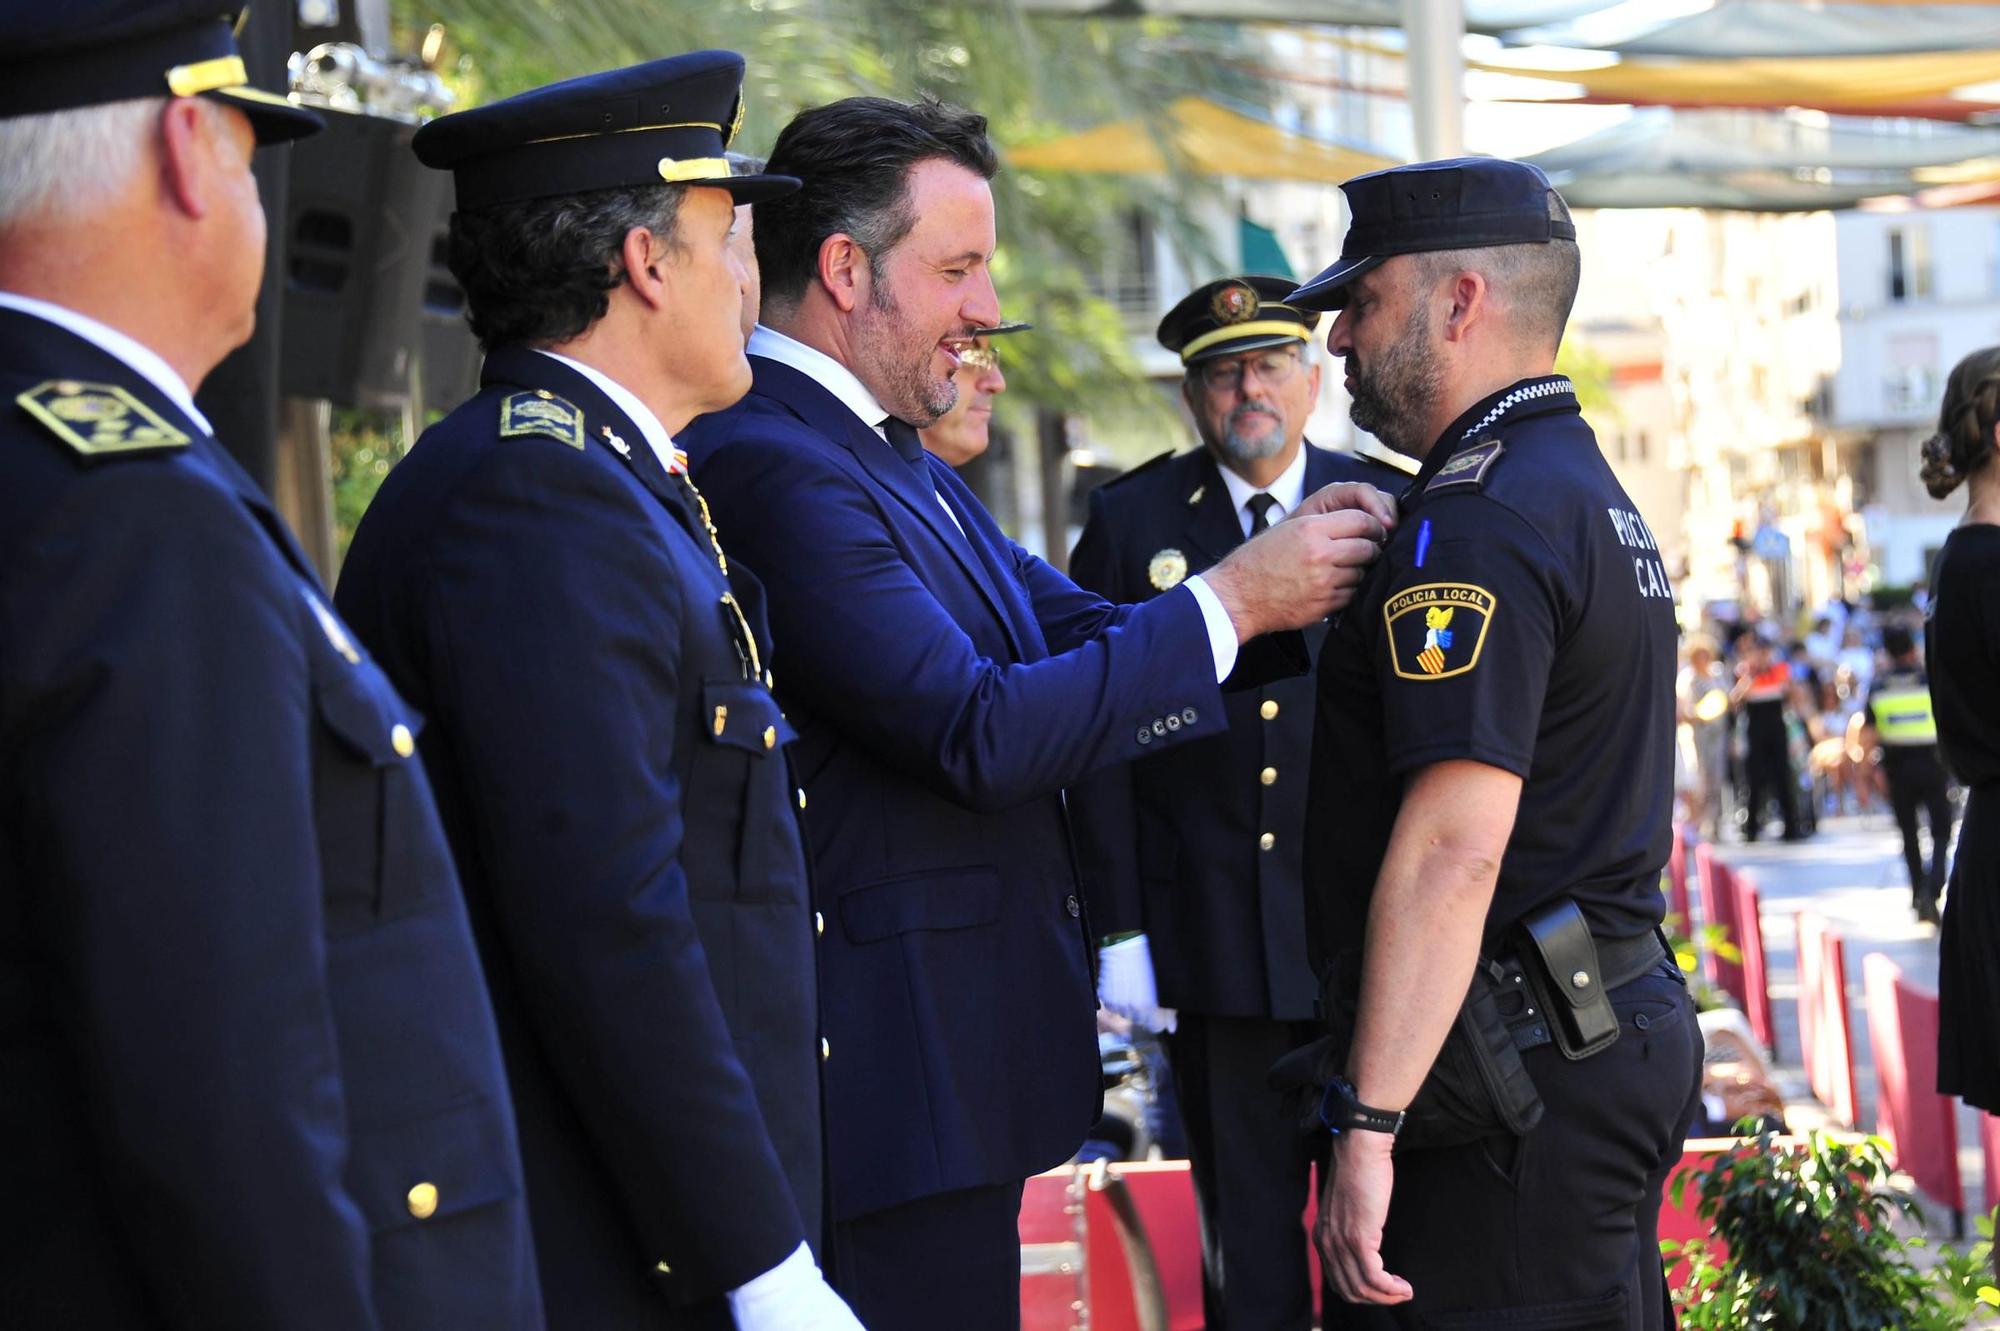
x,y
791,1296
1125,984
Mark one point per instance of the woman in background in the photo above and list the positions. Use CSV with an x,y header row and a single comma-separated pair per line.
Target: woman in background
x,y
1963,649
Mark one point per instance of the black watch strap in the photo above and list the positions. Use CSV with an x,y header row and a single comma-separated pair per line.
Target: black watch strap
x,y
1341,1112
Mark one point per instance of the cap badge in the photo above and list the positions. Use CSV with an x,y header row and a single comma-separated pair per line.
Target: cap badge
x,y
1166,569
1233,304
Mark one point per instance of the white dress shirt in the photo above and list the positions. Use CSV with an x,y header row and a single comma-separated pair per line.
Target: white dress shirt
x,y
641,415
136,356
1289,490
840,381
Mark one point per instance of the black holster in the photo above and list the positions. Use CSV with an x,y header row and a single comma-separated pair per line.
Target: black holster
x,y
1478,1087
1561,963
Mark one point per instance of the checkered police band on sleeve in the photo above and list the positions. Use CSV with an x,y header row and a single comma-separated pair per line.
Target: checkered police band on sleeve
x,y
68,54
1235,314
665,122
1462,203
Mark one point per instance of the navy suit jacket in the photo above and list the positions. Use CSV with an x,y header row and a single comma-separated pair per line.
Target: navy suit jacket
x,y
1172,844
613,778
946,686
241,1017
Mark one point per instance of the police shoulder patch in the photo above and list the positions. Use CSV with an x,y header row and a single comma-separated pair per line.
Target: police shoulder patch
x,y
541,412
96,419
1468,467
1436,630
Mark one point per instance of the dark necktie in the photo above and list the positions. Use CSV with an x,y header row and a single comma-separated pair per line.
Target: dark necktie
x,y
909,446
1260,506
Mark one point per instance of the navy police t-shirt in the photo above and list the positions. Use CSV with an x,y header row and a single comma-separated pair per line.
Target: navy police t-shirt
x,y
1520,616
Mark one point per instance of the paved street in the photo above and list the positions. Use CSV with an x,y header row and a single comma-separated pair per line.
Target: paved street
x,y
1852,873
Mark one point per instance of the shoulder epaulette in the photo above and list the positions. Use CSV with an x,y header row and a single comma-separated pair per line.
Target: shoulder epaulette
x,y
1469,468
541,412
99,419
1144,468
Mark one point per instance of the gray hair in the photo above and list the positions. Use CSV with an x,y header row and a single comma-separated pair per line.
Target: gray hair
x,y
60,162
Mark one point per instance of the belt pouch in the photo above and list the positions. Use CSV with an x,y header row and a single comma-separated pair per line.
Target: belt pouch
x,y
1561,961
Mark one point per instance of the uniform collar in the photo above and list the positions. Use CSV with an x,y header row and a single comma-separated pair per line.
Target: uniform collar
x,y
134,355
1289,489
1519,400
627,401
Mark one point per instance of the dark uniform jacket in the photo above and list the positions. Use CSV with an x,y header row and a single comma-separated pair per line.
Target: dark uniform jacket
x,y
248,1069
1520,617
1173,844
946,685
612,770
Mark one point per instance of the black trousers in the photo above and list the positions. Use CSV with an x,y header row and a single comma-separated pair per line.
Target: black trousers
x,y
948,1261
1558,1229
1917,782
1767,771
1252,1167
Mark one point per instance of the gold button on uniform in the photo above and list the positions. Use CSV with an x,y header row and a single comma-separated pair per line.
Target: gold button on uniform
x,y
402,740
770,737
1269,776
1266,841
819,925
825,1049
423,1200
1269,711
802,797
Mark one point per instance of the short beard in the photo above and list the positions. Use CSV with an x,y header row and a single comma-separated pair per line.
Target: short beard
x,y
1393,399
912,394
1239,448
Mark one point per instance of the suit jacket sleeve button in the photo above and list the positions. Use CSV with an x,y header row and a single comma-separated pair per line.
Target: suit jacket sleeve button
x,y
1173,722
1159,726
1145,735
423,1200
1189,716
1073,906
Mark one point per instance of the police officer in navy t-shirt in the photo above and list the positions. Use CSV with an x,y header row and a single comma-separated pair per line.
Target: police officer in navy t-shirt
x,y
1492,774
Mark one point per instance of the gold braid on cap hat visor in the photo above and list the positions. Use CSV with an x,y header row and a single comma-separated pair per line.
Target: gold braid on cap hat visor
x,y
224,74
1255,328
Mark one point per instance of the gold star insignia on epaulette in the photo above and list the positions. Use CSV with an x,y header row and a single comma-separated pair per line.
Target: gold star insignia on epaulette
x,y
541,412
96,419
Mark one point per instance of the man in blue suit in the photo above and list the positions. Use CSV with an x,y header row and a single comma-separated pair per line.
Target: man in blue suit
x,y
541,577
249,1076
946,686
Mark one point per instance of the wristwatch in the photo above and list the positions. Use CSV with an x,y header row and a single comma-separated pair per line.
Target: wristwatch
x,y
1341,1112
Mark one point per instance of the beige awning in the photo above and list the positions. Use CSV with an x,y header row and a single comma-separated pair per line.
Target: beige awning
x,y
1206,137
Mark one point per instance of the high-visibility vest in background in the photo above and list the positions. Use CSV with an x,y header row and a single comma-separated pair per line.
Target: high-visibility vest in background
x,y
1902,707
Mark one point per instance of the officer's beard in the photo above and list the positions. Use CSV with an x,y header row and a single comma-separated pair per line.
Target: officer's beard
x,y
1394,397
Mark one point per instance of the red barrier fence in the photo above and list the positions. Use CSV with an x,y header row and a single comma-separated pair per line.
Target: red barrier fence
x,y
1756,995
1920,1125
1826,1041
1718,907
1677,881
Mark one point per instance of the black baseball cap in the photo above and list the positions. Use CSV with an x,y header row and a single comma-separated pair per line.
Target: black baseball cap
x,y
78,53
1461,203
665,121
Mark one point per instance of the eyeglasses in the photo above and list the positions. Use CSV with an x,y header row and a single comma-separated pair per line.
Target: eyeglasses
x,y
979,358
1273,367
